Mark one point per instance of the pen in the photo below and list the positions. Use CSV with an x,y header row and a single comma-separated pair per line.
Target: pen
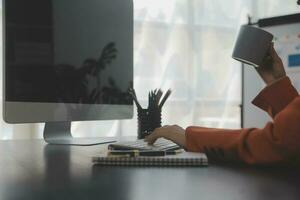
x,y
158,96
135,153
133,94
164,99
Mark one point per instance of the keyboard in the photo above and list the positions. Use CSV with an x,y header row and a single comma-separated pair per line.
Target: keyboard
x,y
160,145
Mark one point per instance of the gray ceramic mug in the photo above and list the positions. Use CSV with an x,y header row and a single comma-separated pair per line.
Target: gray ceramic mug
x,y
252,45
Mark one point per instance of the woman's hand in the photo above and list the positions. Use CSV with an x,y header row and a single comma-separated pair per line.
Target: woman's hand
x,y
272,68
174,133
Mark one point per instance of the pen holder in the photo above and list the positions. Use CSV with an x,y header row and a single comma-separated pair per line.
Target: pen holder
x,y
148,121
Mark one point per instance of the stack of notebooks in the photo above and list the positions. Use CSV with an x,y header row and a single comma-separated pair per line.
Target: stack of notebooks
x,y
182,159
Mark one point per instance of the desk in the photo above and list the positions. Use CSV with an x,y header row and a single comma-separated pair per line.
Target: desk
x,y
30,169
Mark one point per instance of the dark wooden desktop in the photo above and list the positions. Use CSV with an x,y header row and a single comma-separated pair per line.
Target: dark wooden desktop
x,y
30,169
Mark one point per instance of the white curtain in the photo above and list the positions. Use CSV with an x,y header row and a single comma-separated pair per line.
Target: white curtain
x,y
184,45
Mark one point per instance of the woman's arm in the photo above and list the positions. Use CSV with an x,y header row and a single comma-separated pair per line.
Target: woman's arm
x,y
276,142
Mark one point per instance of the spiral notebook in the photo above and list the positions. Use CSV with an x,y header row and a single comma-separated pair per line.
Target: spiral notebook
x,y
183,159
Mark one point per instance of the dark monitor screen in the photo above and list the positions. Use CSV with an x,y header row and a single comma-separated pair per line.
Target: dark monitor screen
x,y
68,51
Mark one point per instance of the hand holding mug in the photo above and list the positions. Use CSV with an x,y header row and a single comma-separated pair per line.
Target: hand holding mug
x,y
272,68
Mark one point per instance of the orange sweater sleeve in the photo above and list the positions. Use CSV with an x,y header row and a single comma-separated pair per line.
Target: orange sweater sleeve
x,y
276,142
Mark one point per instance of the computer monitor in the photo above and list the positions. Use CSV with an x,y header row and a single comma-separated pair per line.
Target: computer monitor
x,y
67,60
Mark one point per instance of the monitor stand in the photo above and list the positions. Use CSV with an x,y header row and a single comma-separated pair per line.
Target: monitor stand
x,y
59,133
